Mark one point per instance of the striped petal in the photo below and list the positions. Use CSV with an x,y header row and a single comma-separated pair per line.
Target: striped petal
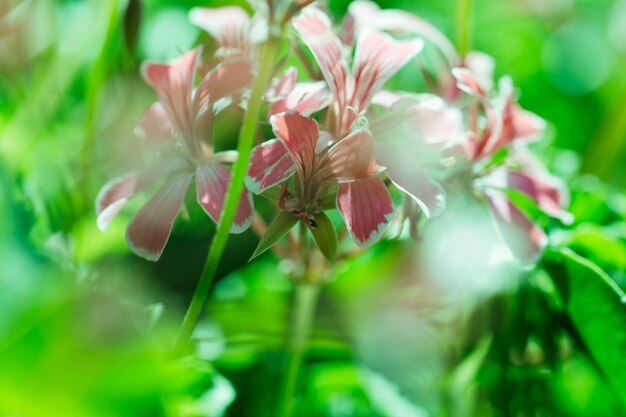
x,y
229,25
149,231
376,59
366,208
212,180
525,240
316,31
115,194
224,80
352,157
299,135
281,86
270,164
174,84
305,98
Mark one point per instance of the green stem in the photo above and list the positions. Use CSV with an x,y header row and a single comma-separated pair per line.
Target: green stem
x,y
463,12
245,143
305,301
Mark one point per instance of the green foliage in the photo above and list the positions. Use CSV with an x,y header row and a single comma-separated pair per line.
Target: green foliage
x,y
325,236
281,225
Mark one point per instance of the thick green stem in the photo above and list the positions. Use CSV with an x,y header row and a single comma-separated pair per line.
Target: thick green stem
x,y
244,147
305,301
463,16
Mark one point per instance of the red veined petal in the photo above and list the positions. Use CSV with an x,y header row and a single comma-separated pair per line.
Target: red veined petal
x,y
150,229
270,164
305,98
116,193
377,58
363,15
525,239
224,80
212,180
281,86
299,135
316,31
229,25
174,84
352,157
366,208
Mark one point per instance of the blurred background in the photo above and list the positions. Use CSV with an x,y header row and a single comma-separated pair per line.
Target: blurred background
x,y
85,326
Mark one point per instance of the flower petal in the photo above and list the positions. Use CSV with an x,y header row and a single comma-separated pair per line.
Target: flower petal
x,y
226,79
299,135
155,125
468,82
352,157
525,240
316,31
377,58
363,15
212,180
174,85
229,25
366,208
428,195
270,164
305,98
547,196
116,193
281,86
150,229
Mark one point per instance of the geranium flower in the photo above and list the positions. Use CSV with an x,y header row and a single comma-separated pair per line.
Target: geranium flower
x,y
238,36
362,197
179,127
511,127
377,57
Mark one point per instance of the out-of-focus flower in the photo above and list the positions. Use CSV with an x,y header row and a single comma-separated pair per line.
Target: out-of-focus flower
x,y
179,127
362,197
238,36
509,127
286,94
236,33
415,136
377,58
364,14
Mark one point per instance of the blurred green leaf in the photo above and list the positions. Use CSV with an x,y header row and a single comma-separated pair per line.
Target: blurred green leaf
x,y
596,307
325,236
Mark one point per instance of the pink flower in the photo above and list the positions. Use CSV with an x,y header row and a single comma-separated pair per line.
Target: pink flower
x,y
377,58
509,127
179,127
237,35
286,94
362,198
415,138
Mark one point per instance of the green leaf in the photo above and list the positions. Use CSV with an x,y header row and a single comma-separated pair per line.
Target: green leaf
x,y
595,304
281,224
325,236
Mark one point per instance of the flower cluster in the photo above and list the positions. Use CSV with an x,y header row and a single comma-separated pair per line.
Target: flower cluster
x,y
342,140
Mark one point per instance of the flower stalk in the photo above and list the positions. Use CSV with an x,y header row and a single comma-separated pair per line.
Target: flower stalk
x,y
244,147
304,305
463,17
